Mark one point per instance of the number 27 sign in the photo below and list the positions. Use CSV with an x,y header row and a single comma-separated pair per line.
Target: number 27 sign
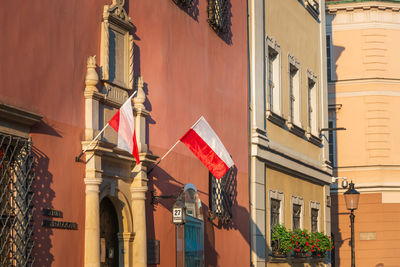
x,y
177,215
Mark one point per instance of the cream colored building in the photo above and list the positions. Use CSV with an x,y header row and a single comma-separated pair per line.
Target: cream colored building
x,y
288,108
364,97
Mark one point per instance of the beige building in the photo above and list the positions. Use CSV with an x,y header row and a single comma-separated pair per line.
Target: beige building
x,y
290,172
364,97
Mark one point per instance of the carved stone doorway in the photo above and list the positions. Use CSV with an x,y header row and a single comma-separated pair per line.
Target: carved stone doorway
x,y
109,252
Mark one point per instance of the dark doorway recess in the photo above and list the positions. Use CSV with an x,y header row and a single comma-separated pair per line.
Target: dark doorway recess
x,y
108,234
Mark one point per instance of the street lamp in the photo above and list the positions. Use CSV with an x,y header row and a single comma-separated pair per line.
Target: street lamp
x,y
351,198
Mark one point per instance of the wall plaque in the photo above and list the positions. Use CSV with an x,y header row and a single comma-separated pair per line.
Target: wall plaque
x,y
52,213
368,236
153,251
60,225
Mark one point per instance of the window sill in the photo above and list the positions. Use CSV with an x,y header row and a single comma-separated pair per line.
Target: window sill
x,y
275,118
296,129
314,139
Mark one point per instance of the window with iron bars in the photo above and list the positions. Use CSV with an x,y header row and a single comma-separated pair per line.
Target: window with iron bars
x,y
221,194
16,205
218,15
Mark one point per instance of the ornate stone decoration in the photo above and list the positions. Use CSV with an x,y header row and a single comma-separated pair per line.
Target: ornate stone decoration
x,y
116,51
140,96
91,78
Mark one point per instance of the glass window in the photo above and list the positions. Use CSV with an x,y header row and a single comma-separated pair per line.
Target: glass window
x,y
294,91
275,212
328,57
296,216
314,220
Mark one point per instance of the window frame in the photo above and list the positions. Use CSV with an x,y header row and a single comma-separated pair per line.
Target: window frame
x,y
274,95
274,194
296,200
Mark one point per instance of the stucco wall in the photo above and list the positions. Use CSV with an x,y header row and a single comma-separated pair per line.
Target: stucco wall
x,y
296,187
191,72
298,34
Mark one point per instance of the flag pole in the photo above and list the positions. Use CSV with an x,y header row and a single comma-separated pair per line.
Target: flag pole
x,y
94,139
163,157
171,149
97,136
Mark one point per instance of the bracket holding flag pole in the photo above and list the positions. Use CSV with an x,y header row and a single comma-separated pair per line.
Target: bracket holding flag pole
x,y
131,144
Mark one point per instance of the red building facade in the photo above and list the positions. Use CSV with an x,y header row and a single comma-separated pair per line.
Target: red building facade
x,y
190,61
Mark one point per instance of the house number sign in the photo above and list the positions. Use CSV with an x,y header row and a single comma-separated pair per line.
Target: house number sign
x,y
177,215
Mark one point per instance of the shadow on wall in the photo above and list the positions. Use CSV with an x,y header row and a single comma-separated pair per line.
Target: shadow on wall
x,y
189,7
220,19
167,185
43,197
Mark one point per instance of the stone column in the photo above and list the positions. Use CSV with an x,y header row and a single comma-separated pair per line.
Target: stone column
x,y
125,239
93,165
139,184
138,197
92,223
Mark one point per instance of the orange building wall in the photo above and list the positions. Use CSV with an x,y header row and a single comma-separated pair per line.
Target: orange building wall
x,y
372,216
365,88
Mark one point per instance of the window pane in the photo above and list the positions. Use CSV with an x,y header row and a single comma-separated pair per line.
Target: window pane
x,y
314,220
275,207
296,216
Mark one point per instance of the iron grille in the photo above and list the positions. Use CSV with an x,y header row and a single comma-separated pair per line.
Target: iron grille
x,y
184,3
16,206
222,196
218,15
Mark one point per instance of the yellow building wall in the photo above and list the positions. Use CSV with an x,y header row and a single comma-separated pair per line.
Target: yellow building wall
x,y
298,35
293,186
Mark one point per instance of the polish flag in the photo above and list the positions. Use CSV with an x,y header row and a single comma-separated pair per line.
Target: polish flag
x,y
124,124
205,144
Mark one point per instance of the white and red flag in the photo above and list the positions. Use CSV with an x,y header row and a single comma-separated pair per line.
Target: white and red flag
x,y
205,144
124,124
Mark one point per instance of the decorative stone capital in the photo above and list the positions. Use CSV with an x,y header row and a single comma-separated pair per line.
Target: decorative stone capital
x,y
139,193
127,236
92,185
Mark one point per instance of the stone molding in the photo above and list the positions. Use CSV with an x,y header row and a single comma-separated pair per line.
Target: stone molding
x,y
365,15
17,121
117,25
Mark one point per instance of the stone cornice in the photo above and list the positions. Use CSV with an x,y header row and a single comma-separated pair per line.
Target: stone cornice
x,y
18,115
367,5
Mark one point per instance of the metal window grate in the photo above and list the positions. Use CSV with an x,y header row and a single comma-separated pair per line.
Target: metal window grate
x,y
184,3
16,212
222,196
218,15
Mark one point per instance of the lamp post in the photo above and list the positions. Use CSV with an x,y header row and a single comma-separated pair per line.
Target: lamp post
x,y
351,198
